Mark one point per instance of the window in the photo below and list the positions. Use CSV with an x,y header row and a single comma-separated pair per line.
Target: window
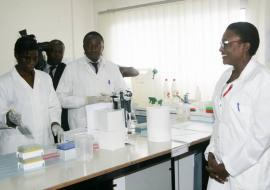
x,y
180,39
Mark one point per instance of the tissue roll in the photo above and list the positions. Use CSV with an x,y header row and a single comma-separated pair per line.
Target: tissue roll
x,y
158,124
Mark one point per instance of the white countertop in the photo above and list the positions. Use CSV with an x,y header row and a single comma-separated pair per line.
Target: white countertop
x,y
64,173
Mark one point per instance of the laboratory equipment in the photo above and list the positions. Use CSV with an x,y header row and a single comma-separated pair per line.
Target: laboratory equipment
x,y
166,90
174,89
141,129
110,119
140,115
84,146
198,94
25,131
92,121
50,153
67,150
112,140
69,135
122,100
66,145
199,112
110,130
147,84
29,151
30,156
15,118
154,71
68,154
107,125
186,107
31,163
158,124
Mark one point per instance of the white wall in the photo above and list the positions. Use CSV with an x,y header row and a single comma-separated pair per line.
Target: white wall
x,y
67,20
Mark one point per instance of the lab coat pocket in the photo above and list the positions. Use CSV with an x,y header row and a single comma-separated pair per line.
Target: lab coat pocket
x,y
242,111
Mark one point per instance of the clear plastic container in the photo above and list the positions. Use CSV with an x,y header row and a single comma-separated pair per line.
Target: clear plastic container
x,y
84,146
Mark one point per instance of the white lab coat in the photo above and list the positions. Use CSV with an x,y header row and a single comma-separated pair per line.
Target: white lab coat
x,y
241,136
39,106
79,80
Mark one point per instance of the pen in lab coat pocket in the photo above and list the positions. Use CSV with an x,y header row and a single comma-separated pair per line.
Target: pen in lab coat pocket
x,y
238,106
110,86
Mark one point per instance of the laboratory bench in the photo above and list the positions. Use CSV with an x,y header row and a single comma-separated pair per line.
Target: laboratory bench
x,y
176,165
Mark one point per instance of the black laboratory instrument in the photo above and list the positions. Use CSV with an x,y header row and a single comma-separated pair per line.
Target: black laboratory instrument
x,y
122,100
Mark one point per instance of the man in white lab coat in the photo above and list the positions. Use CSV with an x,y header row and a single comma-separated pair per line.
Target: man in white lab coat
x,y
27,100
238,154
88,80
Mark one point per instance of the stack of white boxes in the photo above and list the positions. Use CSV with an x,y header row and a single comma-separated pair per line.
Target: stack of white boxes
x,y
108,127
30,156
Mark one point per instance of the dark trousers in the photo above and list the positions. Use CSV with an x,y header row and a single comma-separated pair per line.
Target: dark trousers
x,y
64,119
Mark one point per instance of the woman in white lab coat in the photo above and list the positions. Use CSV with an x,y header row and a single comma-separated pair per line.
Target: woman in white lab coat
x,y
238,154
27,99
88,80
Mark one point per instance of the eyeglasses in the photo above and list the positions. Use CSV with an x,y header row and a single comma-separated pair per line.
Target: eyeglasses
x,y
225,44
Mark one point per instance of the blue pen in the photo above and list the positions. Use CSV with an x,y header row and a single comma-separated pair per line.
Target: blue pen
x,y
238,106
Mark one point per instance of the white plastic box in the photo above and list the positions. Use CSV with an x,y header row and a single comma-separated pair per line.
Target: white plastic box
x,y
29,151
91,114
110,120
112,140
32,163
68,154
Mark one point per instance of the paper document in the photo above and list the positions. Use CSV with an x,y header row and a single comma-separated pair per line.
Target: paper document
x,y
196,126
190,138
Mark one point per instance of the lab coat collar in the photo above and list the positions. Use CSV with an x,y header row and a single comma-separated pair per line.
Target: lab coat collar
x,y
252,64
19,78
101,61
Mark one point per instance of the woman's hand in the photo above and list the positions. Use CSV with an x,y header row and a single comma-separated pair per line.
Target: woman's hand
x,y
216,171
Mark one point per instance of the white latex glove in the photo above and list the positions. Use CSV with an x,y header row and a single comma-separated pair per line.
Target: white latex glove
x,y
105,97
14,117
98,99
58,132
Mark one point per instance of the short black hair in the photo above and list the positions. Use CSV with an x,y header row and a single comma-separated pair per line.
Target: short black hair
x,y
93,34
248,33
25,43
55,42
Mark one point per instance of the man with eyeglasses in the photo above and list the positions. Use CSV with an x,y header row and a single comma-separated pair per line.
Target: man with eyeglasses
x,y
239,151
